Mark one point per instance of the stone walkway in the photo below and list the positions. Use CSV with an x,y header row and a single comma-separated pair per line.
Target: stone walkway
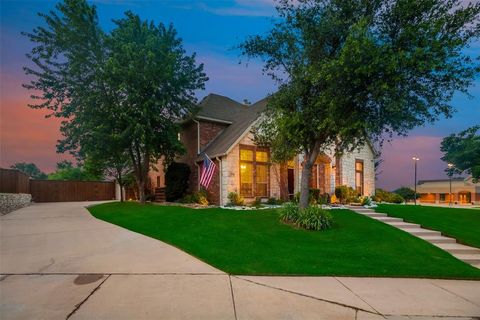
x,y
58,262
465,253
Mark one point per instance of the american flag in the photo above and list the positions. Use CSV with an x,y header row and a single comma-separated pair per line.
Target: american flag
x,y
208,169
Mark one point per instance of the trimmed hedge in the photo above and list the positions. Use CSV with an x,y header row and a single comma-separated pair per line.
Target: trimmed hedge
x,y
176,180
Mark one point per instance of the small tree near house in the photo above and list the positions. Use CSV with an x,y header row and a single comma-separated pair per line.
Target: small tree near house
x,y
353,71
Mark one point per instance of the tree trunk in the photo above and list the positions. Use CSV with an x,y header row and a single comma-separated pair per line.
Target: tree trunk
x,y
310,158
141,190
122,196
305,184
120,183
141,164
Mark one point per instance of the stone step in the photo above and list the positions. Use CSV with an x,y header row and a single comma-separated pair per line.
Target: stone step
x,y
457,248
468,258
476,265
374,215
404,225
437,239
389,219
359,209
423,232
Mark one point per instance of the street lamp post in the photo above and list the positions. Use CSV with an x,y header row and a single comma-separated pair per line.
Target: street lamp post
x,y
450,166
415,159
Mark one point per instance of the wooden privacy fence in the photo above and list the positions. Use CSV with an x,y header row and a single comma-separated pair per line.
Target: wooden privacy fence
x,y
14,181
59,190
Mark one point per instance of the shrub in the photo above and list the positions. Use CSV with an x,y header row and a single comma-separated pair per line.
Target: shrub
x,y
406,193
199,197
385,196
149,197
202,197
188,198
311,218
257,203
314,196
274,201
315,218
333,199
176,180
345,194
324,199
296,197
396,198
234,199
365,201
289,213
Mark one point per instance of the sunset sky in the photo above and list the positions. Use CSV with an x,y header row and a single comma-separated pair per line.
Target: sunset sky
x,y
211,29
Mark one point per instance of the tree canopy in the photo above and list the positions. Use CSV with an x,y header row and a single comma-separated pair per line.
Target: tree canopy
x,y
67,171
407,193
351,71
120,93
30,169
462,150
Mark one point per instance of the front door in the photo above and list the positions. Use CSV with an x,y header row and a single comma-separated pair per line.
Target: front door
x,y
291,182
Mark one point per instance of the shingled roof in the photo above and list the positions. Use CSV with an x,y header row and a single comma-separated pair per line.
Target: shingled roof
x,y
238,116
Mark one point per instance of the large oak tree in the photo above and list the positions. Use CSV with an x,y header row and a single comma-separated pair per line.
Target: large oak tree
x,y
350,71
128,87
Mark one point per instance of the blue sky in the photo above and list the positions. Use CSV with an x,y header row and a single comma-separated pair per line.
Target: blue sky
x,y
212,29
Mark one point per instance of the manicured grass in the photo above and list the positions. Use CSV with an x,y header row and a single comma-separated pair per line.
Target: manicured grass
x,y
257,243
462,224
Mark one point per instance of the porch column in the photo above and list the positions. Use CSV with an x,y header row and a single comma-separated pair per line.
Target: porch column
x,y
338,172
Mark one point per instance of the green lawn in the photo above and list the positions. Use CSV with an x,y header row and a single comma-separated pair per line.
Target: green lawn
x,y
257,243
462,224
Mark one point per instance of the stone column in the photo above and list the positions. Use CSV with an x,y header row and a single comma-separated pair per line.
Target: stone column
x,y
338,171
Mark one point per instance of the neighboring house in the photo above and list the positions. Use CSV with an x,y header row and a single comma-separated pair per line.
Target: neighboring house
x,y
464,191
222,129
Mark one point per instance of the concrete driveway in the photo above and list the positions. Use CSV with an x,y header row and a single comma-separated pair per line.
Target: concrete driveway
x,y
58,262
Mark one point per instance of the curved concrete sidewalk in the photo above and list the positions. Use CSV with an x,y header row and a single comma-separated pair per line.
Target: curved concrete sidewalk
x,y
58,262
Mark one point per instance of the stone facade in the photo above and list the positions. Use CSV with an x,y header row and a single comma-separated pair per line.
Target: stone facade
x,y
13,201
230,173
347,167
337,171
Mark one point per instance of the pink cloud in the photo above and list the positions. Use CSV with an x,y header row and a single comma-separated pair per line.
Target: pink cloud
x,y
398,167
25,134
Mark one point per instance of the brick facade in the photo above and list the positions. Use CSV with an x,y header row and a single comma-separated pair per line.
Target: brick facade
x,y
209,131
189,139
